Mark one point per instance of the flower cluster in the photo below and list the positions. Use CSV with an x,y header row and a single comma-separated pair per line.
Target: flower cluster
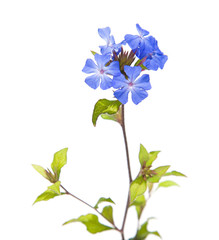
x,y
112,68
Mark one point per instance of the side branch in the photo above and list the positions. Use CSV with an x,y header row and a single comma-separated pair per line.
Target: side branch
x,y
68,193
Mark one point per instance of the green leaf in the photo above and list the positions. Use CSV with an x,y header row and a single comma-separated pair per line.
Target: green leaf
x,y
152,158
93,53
160,171
109,117
143,232
167,183
108,213
51,192
143,155
137,188
102,199
91,222
105,106
41,171
175,173
139,203
55,188
59,160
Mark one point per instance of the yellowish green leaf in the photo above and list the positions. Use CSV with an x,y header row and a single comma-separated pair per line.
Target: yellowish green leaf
x,y
51,192
167,183
137,188
102,199
143,155
159,172
59,160
104,106
91,222
41,171
139,203
108,213
175,173
152,158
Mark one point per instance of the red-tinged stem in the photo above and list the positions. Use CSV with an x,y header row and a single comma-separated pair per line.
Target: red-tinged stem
x,y
129,170
126,143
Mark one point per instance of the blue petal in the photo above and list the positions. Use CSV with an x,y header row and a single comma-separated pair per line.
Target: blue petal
x,y
133,41
162,59
141,31
93,81
151,64
111,40
102,60
120,81
143,82
132,72
114,69
138,95
157,61
122,95
145,49
106,82
105,49
152,42
104,33
90,67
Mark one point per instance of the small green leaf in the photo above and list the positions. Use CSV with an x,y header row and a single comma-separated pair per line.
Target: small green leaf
x,y
143,155
55,187
51,192
160,171
93,53
175,173
59,160
108,213
137,188
109,117
143,232
102,199
150,186
167,183
105,106
139,203
41,171
152,158
91,222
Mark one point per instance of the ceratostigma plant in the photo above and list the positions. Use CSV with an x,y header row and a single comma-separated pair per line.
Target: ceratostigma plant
x,y
122,70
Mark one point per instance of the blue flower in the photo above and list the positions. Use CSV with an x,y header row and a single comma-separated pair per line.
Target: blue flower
x,y
136,41
101,71
154,57
137,87
110,41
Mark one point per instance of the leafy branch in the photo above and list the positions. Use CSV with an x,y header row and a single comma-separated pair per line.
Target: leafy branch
x,y
90,220
145,181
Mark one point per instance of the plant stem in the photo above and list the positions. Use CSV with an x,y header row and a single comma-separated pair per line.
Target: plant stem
x,y
125,215
126,143
68,193
129,169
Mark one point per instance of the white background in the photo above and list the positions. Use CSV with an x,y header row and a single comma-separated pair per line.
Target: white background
x,y
46,106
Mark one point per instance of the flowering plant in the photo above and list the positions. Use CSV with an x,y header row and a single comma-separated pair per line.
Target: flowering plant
x,y
122,70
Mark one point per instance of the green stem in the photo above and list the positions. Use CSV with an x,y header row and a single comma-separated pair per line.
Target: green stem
x,y
70,194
